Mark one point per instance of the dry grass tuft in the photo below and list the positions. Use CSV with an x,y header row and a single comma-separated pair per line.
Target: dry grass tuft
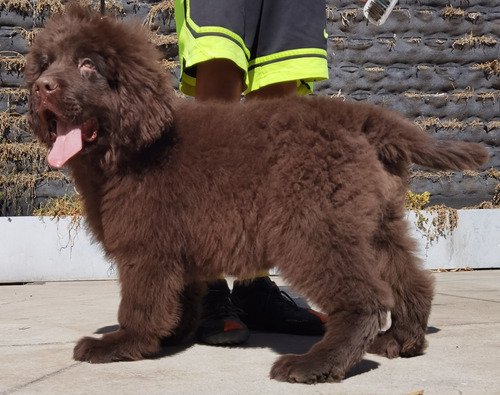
x,y
466,94
170,65
46,8
414,40
163,11
415,201
493,173
111,7
486,96
492,68
451,12
339,41
374,69
348,16
330,15
9,120
27,35
444,219
426,123
14,95
22,7
391,43
61,207
472,41
162,39
452,124
432,175
12,62
25,153
493,125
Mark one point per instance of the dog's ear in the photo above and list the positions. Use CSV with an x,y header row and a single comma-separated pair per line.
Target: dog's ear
x,y
143,87
146,97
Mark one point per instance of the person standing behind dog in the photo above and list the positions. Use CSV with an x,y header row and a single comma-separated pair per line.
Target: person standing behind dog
x,y
261,49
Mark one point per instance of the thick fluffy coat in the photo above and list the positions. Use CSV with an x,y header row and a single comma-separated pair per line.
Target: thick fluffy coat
x,y
178,191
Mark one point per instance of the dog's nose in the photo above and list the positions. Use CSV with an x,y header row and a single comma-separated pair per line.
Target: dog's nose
x,y
46,86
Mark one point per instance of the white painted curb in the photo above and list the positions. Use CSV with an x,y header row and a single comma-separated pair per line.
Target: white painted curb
x,y
42,249
474,243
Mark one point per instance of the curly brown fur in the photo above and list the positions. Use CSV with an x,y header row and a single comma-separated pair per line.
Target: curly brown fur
x,y
178,191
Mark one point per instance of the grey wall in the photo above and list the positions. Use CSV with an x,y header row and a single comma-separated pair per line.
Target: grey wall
x,y
438,63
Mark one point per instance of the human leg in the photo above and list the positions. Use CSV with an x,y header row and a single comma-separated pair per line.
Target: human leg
x,y
272,91
212,52
291,45
211,74
214,55
218,79
268,49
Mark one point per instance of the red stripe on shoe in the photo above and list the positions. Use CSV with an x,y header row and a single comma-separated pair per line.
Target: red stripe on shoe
x,y
321,316
230,325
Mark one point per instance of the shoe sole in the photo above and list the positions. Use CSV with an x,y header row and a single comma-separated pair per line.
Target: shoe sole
x,y
230,338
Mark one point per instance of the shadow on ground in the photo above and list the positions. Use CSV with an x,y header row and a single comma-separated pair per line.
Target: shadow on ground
x,y
279,342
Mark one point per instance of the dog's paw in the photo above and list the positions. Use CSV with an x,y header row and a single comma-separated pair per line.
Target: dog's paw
x,y
306,369
388,346
385,345
87,350
105,350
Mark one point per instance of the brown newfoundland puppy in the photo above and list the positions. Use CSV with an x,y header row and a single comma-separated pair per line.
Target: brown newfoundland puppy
x,y
178,191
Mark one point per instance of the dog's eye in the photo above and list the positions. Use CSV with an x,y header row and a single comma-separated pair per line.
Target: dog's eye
x,y
44,63
87,65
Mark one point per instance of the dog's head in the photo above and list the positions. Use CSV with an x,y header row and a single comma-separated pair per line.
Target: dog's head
x,y
95,86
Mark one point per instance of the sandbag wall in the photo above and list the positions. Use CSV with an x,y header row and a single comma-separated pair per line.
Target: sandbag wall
x,y
435,61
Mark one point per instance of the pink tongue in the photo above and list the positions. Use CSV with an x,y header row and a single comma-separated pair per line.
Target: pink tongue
x,y
68,143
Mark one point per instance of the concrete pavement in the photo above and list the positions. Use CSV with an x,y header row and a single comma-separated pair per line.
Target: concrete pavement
x,y
40,322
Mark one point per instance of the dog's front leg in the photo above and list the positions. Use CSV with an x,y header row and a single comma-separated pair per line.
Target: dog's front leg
x,y
191,311
150,310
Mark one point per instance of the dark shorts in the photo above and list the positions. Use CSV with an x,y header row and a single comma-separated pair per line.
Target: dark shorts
x,y
270,40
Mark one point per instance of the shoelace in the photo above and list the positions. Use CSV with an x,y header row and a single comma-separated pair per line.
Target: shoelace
x,y
284,298
220,305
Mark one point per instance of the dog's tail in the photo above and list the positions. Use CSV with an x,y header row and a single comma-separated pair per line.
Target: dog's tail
x,y
450,155
400,142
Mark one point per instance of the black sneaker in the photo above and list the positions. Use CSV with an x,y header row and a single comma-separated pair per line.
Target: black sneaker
x,y
267,308
219,323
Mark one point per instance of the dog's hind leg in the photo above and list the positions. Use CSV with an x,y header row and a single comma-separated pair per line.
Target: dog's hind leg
x,y
149,311
343,346
412,291
356,302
